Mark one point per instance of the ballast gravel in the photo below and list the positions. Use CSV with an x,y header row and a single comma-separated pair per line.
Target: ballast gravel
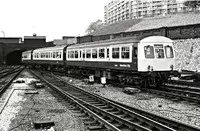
x,y
22,110
182,111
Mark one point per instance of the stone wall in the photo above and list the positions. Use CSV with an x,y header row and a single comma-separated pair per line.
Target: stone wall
x,y
187,53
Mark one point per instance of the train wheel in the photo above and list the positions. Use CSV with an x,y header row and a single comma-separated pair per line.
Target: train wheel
x,y
139,83
151,81
123,81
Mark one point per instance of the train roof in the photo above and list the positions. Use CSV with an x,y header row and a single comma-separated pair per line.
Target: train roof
x,y
125,40
156,39
59,47
28,51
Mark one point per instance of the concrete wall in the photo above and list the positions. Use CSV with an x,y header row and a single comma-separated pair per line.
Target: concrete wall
x,y
1,54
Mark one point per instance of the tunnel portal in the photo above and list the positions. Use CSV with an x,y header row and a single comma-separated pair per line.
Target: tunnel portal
x,y
14,58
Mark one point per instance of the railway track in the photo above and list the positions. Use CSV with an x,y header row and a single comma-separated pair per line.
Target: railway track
x,y
112,113
11,74
9,70
177,93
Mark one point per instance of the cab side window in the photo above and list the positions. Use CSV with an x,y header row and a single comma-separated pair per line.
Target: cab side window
x,y
148,51
169,52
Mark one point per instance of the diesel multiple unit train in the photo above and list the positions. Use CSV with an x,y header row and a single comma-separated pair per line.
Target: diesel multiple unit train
x,y
143,62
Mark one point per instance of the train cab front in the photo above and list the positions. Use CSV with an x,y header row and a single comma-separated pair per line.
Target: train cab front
x,y
156,60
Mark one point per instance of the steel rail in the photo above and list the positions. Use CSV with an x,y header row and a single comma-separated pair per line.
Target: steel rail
x,y
124,117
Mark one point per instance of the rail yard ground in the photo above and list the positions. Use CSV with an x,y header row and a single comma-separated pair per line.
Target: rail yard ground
x,y
181,111
22,109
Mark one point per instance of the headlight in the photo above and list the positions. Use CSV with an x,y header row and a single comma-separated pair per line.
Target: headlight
x,y
151,68
148,67
171,67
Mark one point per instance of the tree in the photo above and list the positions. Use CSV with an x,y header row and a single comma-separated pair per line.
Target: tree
x,y
94,26
193,4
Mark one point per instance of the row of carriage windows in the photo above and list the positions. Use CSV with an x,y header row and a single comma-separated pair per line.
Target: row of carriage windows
x,y
156,51
100,53
48,55
26,56
159,51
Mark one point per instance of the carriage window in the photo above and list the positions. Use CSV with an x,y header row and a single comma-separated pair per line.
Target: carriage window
x,y
57,54
71,54
135,52
94,53
54,54
80,54
46,54
76,54
83,53
125,52
169,52
24,56
148,50
115,53
88,53
102,53
41,55
107,52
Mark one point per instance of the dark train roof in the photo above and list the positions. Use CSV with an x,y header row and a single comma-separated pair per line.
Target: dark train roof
x,y
108,42
124,40
149,23
59,47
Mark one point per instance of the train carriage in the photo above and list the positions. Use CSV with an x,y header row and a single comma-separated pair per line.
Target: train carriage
x,y
111,54
27,57
156,53
140,61
49,57
130,60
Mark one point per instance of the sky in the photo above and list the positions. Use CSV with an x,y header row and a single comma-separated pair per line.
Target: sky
x,y
50,18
